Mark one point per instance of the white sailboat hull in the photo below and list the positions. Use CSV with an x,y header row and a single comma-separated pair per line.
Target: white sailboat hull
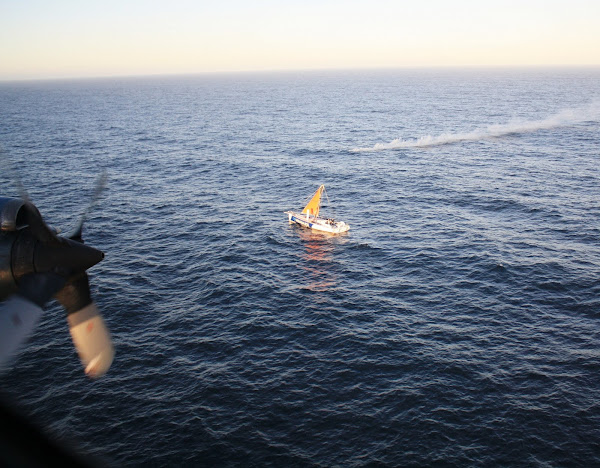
x,y
317,224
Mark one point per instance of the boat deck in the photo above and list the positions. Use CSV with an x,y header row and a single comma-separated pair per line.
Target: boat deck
x,y
316,223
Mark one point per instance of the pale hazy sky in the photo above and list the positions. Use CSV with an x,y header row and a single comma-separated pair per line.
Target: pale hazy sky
x,y
78,38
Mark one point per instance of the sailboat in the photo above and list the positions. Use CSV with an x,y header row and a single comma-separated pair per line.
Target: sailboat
x,y
309,217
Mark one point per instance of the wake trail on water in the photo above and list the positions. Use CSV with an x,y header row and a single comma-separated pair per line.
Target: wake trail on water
x,y
564,118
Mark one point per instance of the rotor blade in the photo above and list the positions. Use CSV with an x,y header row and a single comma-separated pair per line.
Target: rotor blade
x,y
98,189
18,318
9,167
21,312
92,340
88,330
20,187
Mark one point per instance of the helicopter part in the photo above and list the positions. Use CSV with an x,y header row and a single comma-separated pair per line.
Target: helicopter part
x,y
100,186
88,330
37,264
22,310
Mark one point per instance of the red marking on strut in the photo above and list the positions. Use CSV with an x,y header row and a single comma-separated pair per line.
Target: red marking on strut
x,y
90,327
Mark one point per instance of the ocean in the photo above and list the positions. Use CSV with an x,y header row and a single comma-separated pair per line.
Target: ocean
x,y
457,323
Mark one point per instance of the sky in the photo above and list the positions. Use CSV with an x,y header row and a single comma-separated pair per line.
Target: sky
x,y
86,38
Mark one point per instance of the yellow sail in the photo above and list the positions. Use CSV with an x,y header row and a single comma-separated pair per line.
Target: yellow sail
x,y
315,203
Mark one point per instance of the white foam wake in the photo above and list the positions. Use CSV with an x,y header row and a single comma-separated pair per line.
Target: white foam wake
x,y
566,117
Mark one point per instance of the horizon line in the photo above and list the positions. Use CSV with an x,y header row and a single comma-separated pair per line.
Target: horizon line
x,y
298,70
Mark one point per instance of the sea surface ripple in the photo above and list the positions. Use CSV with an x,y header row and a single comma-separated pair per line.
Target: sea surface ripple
x,y
456,323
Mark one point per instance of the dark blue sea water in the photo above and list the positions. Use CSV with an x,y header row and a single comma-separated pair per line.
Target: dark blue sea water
x,y
456,323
